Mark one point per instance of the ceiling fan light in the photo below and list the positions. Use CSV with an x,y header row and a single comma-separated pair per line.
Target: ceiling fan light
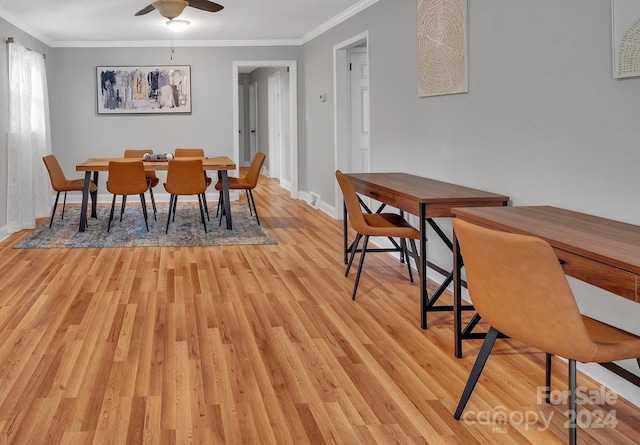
x,y
177,25
170,8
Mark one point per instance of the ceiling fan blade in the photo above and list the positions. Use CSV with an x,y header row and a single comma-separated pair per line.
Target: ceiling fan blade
x,y
146,10
205,5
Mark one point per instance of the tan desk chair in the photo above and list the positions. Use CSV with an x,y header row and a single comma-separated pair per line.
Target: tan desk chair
x,y
184,177
152,179
246,183
195,153
377,224
61,184
127,178
519,288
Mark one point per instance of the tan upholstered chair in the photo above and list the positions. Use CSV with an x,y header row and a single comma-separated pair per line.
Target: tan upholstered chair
x,y
519,288
127,178
376,224
152,179
184,177
61,184
196,153
246,183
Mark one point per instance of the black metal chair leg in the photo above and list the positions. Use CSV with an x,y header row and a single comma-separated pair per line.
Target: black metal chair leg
x,y
485,350
53,212
171,207
202,213
354,248
113,205
143,202
153,204
175,206
255,210
64,204
206,208
415,255
246,192
547,379
362,254
220,198
405,254
124,204
573,436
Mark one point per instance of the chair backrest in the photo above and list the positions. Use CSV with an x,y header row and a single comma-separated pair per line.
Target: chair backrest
x,y
254,169
184,177
517,285
356,218
56,175
138,154
189,152
126,178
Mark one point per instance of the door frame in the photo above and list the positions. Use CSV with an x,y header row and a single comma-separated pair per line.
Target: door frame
x,y
342,107
292,66
275,125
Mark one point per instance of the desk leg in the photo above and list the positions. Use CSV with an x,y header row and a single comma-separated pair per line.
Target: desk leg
x,y
94,196
457,298
227,201
85,201
424,297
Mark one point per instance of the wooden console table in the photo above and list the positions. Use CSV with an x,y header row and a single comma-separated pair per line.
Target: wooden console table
x,y
599,251
427,199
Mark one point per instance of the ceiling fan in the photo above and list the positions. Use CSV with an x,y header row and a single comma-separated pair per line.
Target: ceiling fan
x,y
173,8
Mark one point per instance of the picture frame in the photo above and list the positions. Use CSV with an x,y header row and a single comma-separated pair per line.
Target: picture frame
x,y
442,47
625,28
154,89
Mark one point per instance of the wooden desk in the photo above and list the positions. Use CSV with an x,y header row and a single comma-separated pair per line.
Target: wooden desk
x,y
599,251
221,163
427,199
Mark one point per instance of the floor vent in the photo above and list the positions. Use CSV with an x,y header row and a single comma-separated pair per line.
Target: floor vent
x,y
314,200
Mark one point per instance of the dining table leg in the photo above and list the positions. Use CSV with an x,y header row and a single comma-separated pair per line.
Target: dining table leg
x,y
227,202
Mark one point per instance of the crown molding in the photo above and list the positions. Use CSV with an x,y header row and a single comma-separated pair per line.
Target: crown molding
x,y
347,14
15,21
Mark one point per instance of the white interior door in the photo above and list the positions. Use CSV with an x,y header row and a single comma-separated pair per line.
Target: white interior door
x,y
241,126
275,125
359,86
253,120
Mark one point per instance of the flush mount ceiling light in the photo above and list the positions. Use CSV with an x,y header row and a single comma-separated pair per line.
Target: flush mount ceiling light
x,y
177,25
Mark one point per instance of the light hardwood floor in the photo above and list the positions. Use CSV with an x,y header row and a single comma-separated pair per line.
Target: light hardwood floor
x,y
253,345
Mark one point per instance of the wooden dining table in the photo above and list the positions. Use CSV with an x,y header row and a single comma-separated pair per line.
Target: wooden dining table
x,y
95,165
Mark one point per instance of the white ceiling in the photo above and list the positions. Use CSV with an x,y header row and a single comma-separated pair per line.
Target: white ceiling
x,y
61,23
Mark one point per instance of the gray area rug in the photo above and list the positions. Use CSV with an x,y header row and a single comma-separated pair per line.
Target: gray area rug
x,y
187,230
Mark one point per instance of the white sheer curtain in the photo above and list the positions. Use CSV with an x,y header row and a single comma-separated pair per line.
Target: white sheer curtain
x,y
29,189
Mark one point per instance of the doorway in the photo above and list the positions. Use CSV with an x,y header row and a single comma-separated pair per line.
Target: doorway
x,y
289,133
352,111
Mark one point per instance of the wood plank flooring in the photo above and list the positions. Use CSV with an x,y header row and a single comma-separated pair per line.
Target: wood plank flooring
x,y
254,345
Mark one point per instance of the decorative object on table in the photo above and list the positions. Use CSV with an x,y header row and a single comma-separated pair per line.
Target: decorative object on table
x,y
625,15
60,183
246,183
186,230
442,47
157,157
143,89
